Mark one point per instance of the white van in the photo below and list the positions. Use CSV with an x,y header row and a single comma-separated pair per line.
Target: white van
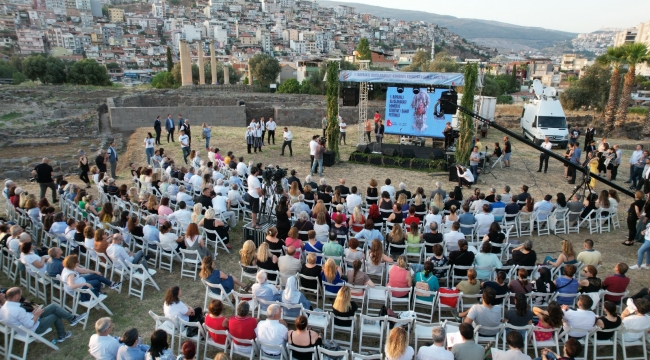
x,y
544,117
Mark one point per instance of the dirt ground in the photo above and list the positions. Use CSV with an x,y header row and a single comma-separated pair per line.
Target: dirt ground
x,y
130,312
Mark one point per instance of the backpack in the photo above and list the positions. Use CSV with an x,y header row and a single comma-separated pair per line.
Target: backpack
x,y
422,285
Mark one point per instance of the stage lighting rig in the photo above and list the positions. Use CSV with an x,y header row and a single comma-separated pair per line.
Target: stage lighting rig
x,y
400,89
416,90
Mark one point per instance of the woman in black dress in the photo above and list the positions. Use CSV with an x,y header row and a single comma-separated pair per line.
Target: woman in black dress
x,y
495,236
282,213
266,260
84,168
633,215
385,203
372,191
210,223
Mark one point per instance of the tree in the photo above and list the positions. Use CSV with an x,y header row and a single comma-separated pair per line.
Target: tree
x,y
112,65
54,71
88,72
635,53
19,78
34,67
615,58
590,91
307,88
491,86
264,68
164,80
289,86
465,122
104,11
363,48
332,97
442,63
419,61
170,62
6,69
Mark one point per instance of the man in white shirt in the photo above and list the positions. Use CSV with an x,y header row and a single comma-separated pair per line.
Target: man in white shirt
x,y
221,205
617,161
484,219
216,175
182,216
635,317
634,158
273,330
506,196
185,145
465,178
270,126
184,196
583,318
39,320
589,256
342,127
196,180
300,205
242,169
263,128
220,188
254,192
544,206
436,351
353,199
103,346
116,251
313,145
288,138
234,196
389,188
543,157
451,238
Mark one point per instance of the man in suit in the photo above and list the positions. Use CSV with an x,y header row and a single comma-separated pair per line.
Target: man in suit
x,y
181,121
344,189
402,190
293,178
112,159
157,129
169,126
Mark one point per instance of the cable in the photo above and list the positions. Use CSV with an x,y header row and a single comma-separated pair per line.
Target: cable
x,y
526,165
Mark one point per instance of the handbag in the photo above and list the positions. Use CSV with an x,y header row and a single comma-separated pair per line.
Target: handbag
x,y
449,301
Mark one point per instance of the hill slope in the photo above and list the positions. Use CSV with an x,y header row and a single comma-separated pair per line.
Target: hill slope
x,y
484,32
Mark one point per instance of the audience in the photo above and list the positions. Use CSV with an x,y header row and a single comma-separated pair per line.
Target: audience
x,y
397,345
303,337
468,349
103,346
437,350
131,348
272,331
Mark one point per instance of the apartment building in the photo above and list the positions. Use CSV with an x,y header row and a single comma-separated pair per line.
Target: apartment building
x,y
30,41
640,34
115,15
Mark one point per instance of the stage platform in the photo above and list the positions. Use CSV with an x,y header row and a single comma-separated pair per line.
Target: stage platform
x,y
403,156
413,151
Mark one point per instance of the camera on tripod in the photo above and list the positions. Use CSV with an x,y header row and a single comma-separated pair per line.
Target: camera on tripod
x,y
276,174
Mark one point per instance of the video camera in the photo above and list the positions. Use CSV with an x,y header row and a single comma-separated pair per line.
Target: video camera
x,y
276,174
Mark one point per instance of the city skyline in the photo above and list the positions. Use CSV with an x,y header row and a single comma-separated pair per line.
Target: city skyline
x,y
578,16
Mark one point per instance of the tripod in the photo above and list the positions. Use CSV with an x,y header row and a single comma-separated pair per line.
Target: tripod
x,y
267,213
487,169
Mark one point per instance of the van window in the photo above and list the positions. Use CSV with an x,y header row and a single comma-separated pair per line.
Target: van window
x,y
552,121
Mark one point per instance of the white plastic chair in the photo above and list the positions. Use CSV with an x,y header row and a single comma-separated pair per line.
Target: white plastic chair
x,y
95,302
209,342
373,327
142,275
625,344
596,343
344,330
27,337
192,259
166,324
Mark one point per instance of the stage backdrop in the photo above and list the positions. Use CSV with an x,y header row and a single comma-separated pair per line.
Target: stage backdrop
x,y
411,114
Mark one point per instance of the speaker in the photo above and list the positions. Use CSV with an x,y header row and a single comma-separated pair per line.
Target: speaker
x,y
389,151
446,98
453,175
437,154
408,154
350,96
364,149
328,158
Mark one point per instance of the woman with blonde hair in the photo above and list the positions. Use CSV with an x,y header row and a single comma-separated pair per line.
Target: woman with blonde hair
x,y
395,237
294,193
194,241
266,260
208,222
320,208
152,204
402,202
437,201
449,219
133,195
419,205
272,240
332,274
344,306
216,277
397,345
568,256
312,269
248,256
400,277
357,218
197,213
376,258
321,228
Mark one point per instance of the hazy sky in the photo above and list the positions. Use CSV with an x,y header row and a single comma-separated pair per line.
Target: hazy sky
x,y
568,15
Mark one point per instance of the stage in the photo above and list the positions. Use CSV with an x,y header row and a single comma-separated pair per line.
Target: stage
x,y
414,157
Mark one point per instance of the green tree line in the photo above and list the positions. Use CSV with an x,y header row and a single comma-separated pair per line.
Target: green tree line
x,y
52,70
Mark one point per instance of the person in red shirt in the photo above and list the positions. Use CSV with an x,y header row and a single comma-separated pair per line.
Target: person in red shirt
x,y
377,116
412,218
215,321
616,283
242,325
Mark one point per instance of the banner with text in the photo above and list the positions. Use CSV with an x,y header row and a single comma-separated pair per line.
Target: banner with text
x,y
413,114
399,77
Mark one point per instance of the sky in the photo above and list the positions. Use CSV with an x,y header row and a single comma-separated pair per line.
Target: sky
x,y
578,16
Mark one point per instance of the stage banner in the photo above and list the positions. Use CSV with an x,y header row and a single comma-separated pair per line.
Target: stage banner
x,y
413,114
412,78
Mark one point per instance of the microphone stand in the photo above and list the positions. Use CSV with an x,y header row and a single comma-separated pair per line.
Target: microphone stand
x,y
400,141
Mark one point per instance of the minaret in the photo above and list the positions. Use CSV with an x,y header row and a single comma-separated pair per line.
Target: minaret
x,y
433,48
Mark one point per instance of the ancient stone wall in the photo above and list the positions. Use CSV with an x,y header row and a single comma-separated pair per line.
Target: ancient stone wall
x,y
130,118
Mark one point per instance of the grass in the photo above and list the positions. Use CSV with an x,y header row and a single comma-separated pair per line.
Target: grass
x,y
10,116
131,312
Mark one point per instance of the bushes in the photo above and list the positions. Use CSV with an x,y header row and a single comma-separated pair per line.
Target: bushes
x,y
504,99
637,110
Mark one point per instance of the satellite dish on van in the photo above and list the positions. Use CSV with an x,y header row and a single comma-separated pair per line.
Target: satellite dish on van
x,y
538,88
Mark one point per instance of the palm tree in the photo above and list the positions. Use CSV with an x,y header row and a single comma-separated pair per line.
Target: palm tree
x,y
615,57
635,53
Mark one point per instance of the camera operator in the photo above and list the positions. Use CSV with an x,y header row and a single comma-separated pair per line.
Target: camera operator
x,y
318,157
44,177
313,144
465,177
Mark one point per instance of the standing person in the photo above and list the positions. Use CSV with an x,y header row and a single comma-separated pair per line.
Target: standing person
x,y
318,159
324,123
254,192
543,157
169,126
617,161
258,137
590,133
507,151
575,158
379,131
181,121
157,127
634,159
574,135
84,168
112,159
206,134
149,143
185,145
186,128
313,145
44,177
101,160
342,127
288,137
448,134
474,159
377,116
270,126
367,128
250,137
262,126
638,171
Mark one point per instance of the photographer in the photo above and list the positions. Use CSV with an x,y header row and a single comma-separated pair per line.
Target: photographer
x,y
44,177
318,157
465,177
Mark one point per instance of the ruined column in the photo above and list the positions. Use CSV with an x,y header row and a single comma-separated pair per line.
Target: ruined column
x,y
226,74
186,64
201,66
250,74
213,64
